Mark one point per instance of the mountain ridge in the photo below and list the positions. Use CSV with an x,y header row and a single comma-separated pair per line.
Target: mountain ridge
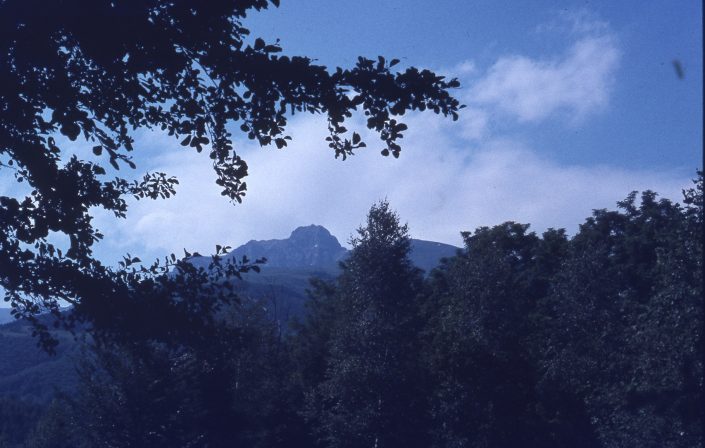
x,y
314,248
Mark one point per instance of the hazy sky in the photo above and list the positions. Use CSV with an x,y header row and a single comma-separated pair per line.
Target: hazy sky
x,y
571,105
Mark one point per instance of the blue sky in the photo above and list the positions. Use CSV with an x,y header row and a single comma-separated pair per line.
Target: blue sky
x,y
653,119
571,105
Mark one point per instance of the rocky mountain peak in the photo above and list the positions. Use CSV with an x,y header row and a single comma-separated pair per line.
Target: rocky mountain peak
x,y
309,247
312,235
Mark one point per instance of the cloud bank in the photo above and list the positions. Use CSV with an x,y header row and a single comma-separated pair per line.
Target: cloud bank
x,y
439,186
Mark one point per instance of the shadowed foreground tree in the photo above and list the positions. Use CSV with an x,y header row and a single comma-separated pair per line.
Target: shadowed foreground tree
x,y
371,393
593,341
626,326
230,391
99,70
480,339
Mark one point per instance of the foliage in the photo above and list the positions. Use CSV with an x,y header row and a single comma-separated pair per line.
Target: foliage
x,y
187,68
590,341
593,340
224,393
480,338
55,428
17,418
627,329
369,393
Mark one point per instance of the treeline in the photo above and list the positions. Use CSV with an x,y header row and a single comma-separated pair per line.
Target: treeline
x,y
521,340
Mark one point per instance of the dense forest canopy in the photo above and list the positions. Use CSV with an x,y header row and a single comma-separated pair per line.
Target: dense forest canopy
x,y
99,70
521,339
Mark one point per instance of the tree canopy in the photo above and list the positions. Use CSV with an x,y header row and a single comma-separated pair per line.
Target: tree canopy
x,y
520,339
99,70
372,390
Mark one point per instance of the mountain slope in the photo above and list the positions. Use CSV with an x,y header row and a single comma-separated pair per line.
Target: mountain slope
x,y
5,316
311,247
29,373
428,254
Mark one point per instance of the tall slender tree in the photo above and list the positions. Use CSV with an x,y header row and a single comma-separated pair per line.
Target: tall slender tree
x,y
371,395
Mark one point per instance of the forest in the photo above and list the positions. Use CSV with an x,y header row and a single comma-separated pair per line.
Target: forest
x,y
590,340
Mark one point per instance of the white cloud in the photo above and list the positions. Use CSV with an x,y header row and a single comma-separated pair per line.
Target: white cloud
x,y
569,87
465,68
474,123
535,89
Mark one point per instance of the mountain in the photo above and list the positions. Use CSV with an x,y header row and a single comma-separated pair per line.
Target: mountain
x,y
313,249
309,248
30,374
309,251
428,254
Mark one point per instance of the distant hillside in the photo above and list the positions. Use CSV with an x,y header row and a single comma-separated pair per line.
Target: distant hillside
x,y
311,247
428,254
5,316
27,372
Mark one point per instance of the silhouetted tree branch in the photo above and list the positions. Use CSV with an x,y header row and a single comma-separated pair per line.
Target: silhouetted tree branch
x,y
99,70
